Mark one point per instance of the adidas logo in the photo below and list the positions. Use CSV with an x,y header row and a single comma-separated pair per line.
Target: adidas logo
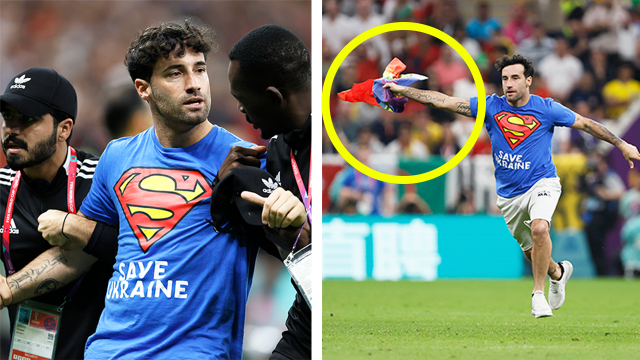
x,y
13,230
278,179
19,81
544,193
270,186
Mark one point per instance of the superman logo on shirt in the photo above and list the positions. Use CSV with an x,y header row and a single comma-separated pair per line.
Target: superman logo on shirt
x,y
515,127
155,200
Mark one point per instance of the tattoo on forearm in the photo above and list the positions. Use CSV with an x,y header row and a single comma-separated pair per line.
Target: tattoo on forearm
x,y
26,276
20,280
47,286
463,108
424,97
599,131
13,285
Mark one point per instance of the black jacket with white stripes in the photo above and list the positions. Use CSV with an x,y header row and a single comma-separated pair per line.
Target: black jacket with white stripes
x,y
34,197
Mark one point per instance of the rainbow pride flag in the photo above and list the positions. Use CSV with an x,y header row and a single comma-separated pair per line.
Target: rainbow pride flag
x,y
373,93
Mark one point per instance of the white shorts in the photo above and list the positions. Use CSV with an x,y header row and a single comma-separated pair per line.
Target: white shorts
x,y
538,203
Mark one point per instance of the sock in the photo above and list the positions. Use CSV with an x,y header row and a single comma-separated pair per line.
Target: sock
x,y
561,270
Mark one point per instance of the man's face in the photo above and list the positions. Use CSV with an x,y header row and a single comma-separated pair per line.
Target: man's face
x,y
514,83
27,141
179,89
258,108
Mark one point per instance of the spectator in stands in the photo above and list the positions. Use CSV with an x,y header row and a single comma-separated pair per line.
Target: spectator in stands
x,y
603,21
561,70
387,128
126,114
367,138
586,91
579,38
630,233
364,19
601,69
481,27
351,190
518,28
603,188
628,39
406,144
336,27
344,122
471,45
447,70
465,205
538,45
412,203
449,146
621,91
539,86
445,16
422,54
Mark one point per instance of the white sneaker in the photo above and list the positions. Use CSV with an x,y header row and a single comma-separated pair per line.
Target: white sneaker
x,y
556,287
540,307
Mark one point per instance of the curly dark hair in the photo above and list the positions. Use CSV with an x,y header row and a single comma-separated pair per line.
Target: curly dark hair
x,y
273,56
506,60
164,40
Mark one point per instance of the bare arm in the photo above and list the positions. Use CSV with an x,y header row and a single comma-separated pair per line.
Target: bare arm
x,y
50,271
433,99
58,231
599,131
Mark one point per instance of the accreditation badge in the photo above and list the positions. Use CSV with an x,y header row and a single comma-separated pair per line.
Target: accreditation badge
x,y
299,266
36,332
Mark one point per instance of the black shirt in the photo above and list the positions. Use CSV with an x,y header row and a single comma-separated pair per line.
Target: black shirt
x,y
34,197
296,340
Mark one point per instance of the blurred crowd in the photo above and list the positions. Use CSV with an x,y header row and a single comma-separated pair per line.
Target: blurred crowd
x,y
586,58
86,41
589,63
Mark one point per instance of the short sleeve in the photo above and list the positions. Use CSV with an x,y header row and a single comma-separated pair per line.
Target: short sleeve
x,y
98,205
561,115
473,102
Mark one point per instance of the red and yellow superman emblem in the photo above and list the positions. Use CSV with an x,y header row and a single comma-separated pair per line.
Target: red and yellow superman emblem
x,y
515,127
155,200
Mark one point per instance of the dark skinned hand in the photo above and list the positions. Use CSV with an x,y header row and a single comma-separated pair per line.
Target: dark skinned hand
x,y
241,156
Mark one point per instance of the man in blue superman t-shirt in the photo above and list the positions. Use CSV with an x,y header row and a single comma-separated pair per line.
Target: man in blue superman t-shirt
x,y
178,289
520,126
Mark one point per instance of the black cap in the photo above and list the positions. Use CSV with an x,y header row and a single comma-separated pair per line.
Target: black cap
x,y
226,199
37,91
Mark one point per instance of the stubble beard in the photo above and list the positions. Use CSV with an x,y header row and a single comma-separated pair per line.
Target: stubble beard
x,y
39,153
173,110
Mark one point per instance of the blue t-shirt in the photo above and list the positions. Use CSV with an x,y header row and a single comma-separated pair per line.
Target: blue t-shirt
x,y
371,188
178,288
482,31
521,140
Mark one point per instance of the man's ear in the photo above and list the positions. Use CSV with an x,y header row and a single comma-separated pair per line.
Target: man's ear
x,y
64,129
143,88
529,81
275,95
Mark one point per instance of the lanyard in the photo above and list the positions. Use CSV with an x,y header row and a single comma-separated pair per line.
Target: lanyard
x,y
71,184
306,197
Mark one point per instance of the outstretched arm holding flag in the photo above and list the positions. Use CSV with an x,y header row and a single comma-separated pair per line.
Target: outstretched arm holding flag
x,y
432,99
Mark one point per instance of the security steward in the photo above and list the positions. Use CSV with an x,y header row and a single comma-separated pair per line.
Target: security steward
x,y
39,108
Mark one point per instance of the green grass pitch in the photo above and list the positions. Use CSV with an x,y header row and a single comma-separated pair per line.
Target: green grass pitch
x,y
478,319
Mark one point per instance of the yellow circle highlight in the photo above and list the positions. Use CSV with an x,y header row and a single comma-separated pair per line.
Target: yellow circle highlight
x,y
398,179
